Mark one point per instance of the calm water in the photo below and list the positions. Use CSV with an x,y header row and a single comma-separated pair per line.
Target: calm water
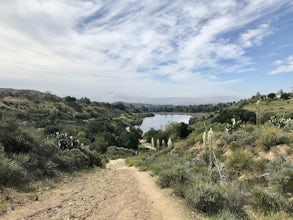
x,y
161,121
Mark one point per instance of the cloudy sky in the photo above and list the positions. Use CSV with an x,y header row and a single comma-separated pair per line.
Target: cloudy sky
x,y
167,51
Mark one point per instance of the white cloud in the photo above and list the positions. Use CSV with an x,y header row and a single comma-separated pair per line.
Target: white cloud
x,y
102,48
255,36
285,66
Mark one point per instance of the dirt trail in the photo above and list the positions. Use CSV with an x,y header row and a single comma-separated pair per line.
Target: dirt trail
x,y
118,192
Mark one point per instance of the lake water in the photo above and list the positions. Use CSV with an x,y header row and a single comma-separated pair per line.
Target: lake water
x,y
160,121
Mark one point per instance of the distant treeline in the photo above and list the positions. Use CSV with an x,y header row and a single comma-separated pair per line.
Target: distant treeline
x,y
185,109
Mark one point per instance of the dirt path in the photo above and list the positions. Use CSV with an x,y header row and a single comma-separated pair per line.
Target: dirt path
x,y
118,192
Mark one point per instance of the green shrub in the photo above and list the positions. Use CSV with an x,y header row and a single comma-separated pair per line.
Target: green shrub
x,y
10,171
239,161
51,129
77,158
239,138
114,152
280,175
234,145
46,149
70,160
17,142
237,199
272,136
177,174
225,115
95,158
29,162
265,201
205,197
260,166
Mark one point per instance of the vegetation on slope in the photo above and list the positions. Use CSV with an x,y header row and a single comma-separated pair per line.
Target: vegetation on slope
x,y
237,170
42,135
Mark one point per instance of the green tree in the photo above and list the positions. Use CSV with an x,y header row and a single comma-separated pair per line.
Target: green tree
x,y
272,96
285,96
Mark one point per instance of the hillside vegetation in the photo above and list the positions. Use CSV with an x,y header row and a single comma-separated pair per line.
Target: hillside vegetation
x,y
43,135
278,107
235,164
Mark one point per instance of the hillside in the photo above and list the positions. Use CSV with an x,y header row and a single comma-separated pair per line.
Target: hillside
x,y
43,136
276,106
224,165
33,106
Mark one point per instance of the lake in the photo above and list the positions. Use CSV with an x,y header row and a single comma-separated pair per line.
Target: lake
x,y
160,121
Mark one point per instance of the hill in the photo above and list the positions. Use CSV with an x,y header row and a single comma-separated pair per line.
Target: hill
x,y
43,135
226,166
275,106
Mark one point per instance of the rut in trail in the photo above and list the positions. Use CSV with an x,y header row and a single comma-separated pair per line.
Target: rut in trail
x,y
118,192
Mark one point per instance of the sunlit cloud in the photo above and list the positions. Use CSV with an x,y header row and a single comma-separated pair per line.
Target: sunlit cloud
x,y
255,36
283,66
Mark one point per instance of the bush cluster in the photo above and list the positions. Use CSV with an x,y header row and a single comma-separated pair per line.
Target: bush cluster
x,y
24,158
189,175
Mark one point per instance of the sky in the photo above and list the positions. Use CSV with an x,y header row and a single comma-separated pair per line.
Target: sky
x,y
147,51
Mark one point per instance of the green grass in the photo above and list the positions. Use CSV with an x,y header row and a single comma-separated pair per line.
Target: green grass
x,y
278,106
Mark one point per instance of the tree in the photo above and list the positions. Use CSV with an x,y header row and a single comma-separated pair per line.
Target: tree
x,y
272,96
70,99
285,96
178,130
85,100
129,139
225,115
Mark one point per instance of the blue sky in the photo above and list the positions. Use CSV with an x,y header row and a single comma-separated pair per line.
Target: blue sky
x,y
163,52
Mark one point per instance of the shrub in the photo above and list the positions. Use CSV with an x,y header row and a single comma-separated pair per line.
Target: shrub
x,y
272,95
285,96
240,138
10,171
260,165
95,158
77,158
28,161
16,141
272,136
237,199
51,129
46,149
239,160
70,160
239,114
205,197
114,152
177,174
281,175
265,201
